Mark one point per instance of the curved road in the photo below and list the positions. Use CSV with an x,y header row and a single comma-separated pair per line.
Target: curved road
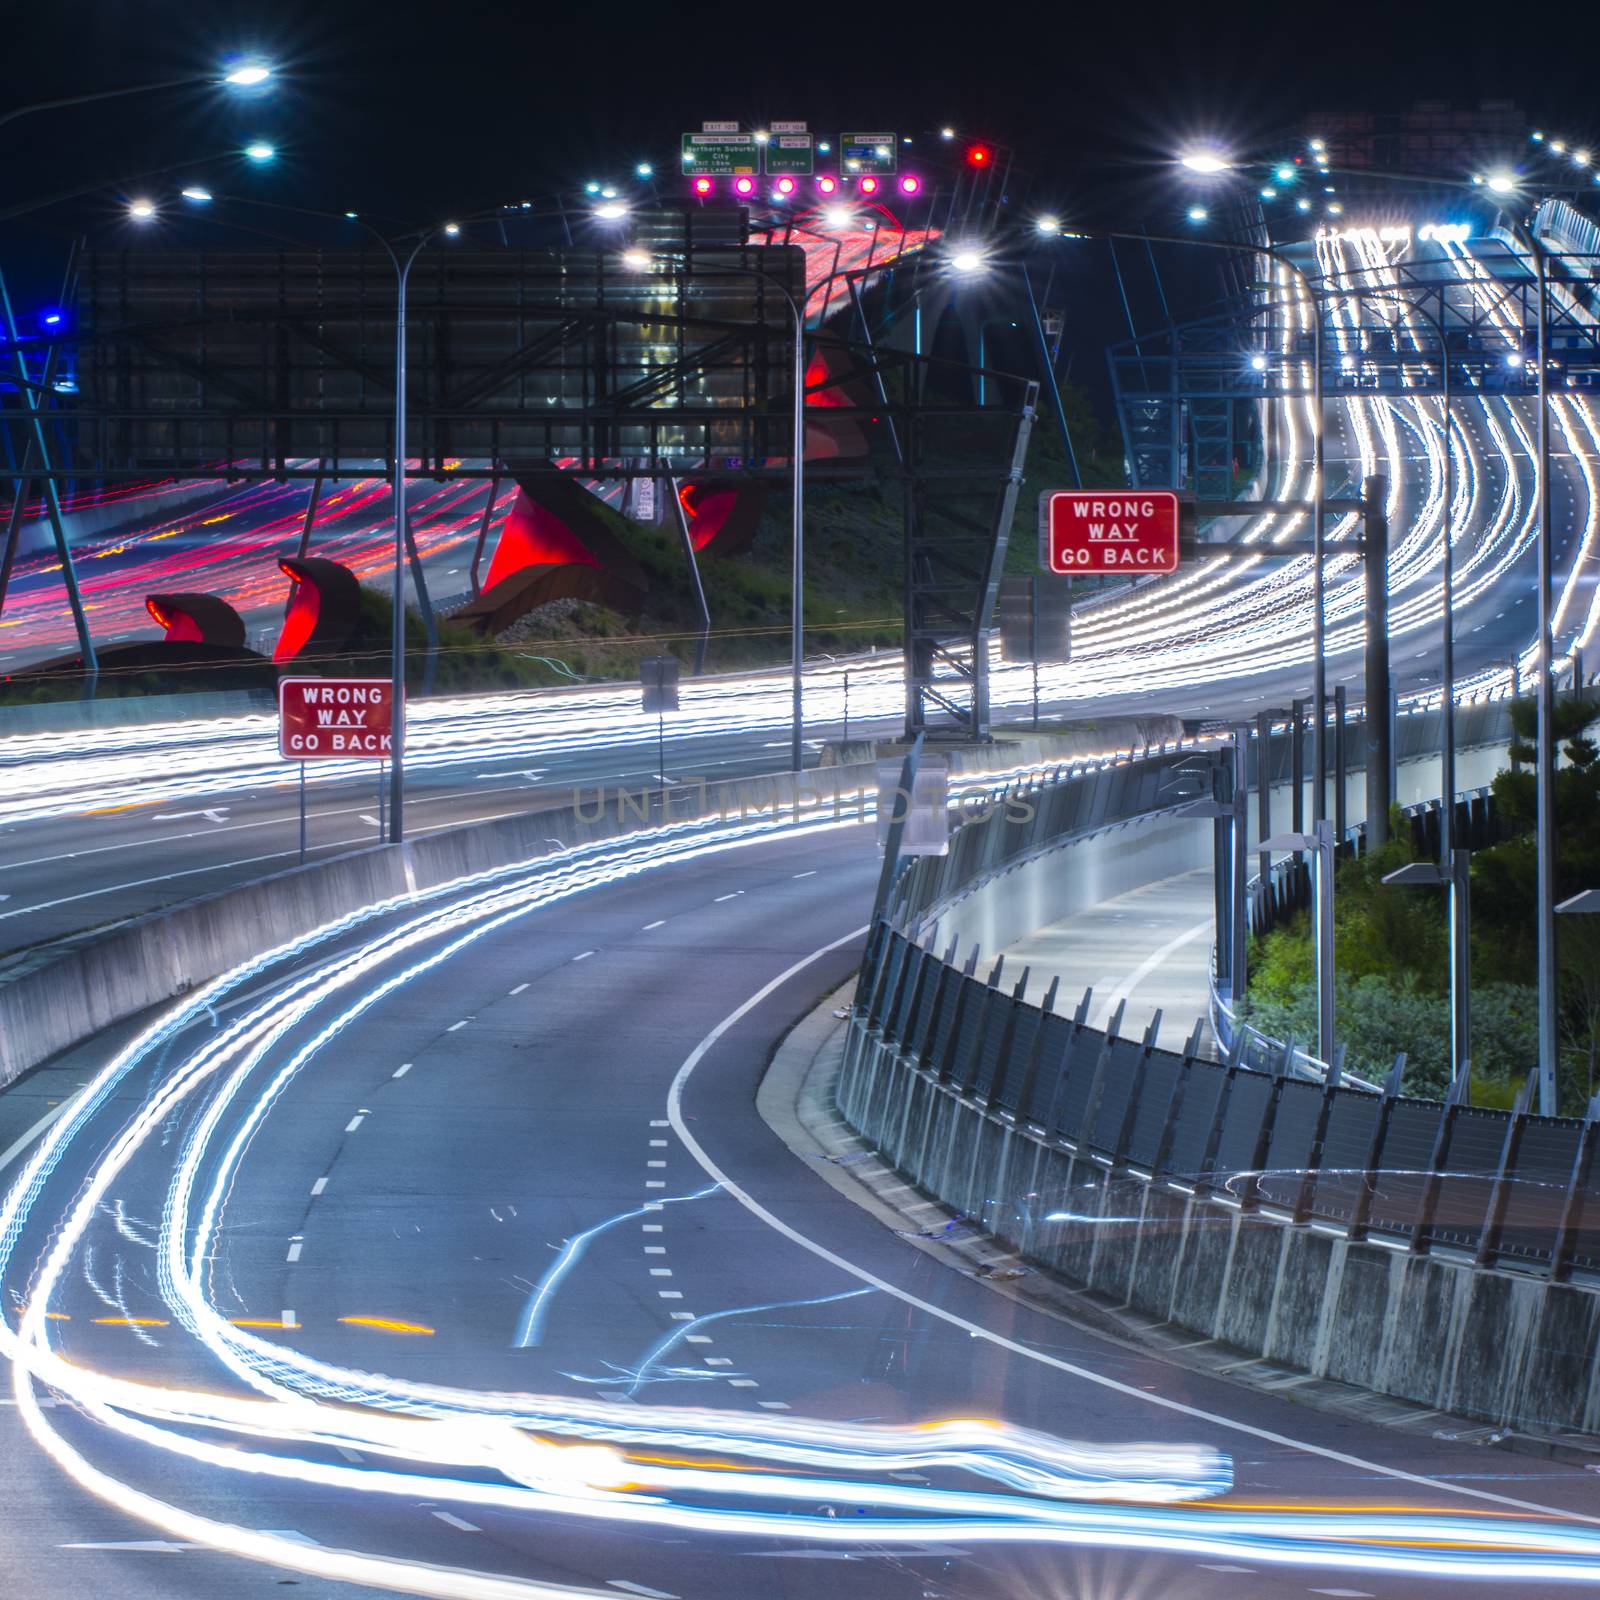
x,y
519,1170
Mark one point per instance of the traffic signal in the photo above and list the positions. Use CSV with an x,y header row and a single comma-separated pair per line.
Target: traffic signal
x,y
979,155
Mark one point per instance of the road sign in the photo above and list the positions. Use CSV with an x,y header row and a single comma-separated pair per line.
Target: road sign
x,y
335,719
789,155
720,155
658,679
1035,618
1092,530
861,153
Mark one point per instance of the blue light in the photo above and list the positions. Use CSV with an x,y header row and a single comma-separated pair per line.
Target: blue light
x,y
591,188
644,169
51,318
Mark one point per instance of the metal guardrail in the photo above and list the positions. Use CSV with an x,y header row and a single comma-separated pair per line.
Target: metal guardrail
x,y
1507,1188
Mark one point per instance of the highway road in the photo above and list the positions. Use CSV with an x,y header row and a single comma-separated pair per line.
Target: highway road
x,y
94,830
354,1230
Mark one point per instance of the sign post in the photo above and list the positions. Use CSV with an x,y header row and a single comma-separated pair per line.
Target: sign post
x,y
335,719
658,683
1035,623
1101,531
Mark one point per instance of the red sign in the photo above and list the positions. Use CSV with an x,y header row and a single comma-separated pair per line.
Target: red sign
x,y
1106,531
339,719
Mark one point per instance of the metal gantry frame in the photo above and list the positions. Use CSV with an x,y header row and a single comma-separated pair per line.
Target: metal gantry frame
x,y
685,373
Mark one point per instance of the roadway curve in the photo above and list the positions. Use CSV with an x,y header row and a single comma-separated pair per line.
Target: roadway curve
x,y
475,1142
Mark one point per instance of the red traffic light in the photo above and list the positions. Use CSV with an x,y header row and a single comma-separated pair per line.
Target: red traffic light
x,y
869,185
703,186
979,155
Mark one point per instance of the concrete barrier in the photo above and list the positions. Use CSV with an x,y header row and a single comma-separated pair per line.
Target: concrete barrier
x,y
93,983
1507,1347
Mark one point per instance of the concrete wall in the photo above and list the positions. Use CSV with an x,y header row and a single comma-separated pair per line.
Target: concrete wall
x,y
91,985
1507,1347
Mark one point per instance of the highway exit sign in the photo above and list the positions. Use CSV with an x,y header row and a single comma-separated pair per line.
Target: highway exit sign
x,y
868,154
335,719
1091,530
721,155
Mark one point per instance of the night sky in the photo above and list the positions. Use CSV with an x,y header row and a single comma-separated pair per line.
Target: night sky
x,y
418,111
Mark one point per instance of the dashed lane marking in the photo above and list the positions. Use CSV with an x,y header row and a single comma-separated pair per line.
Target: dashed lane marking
x,y
660,922
457,1522
354,1123
584,956
403,1069
721,897
519,988
455,1026
319,1186
294,1251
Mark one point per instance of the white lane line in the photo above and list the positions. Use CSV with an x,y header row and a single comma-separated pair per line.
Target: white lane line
x,y
721,897
773,1405
658,1144
743,1383
999,1340
655,1249
288,1319
655,1163
164,1547
661,1272
1207,1566
655,1183
1354,1594
519,988
640,1589
717,1361
682,1316
811,874
660,922
457,1026
584,957
354,1123
651,1227
697,1338
319,1186
403,1069
669,1294
457,1522
294,1251
15,1149
660,1122
367,817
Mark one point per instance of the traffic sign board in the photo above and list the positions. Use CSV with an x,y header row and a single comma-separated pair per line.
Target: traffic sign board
x,y
1095,530
337,719
720,155
789,155
861,153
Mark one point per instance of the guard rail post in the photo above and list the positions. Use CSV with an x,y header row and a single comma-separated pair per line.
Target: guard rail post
x,y
986,1002
1357,1226
1250,1189
1564,1248
1203,1185
1180,1083
1141,1074
1301,1212
1008,1034
1428,1201
1028,1087
947,1059
1494,1216
1097,1084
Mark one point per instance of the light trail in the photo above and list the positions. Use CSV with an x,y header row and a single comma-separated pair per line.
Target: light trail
x,y
442,1439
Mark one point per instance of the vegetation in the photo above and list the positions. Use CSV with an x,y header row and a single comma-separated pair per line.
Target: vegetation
x,y
1392,947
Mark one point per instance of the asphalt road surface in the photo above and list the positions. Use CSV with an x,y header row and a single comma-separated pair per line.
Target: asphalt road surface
x,y
523,1160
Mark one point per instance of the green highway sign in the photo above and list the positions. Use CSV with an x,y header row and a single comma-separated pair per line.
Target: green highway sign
x,y
862,153
789,155
720,155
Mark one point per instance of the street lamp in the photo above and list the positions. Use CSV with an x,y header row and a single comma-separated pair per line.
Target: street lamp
x,y
246,75
638,260
1503,182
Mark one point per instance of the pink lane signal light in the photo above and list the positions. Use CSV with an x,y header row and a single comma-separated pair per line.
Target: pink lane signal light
x,y
910,184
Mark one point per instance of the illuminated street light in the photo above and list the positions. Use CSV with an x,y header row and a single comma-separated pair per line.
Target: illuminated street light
x,y
838,216
1269,193
1319,146
1502,182
1302,204
947,133
636,260
1580,158
141,210
260,151
611,211
1259,362
452,229
1285,174
967,260
197,194
1051,225
1206,161
248,74
644,170
1198,213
